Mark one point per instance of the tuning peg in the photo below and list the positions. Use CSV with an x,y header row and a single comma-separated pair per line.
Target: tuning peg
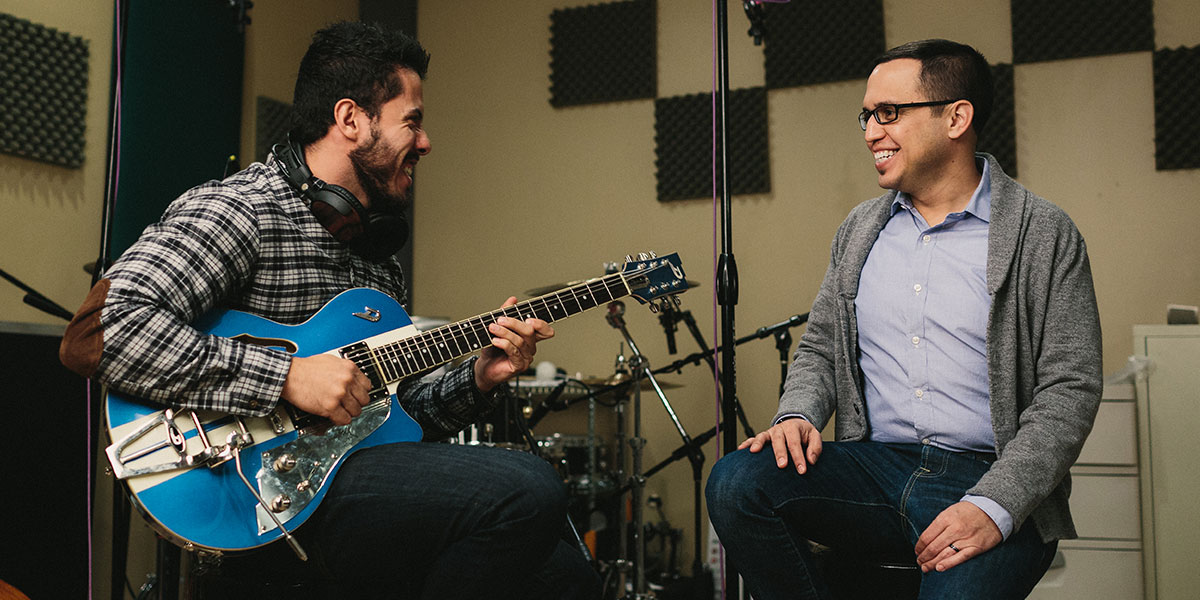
x,y
643,256
628,258
653,307
676,301
653,254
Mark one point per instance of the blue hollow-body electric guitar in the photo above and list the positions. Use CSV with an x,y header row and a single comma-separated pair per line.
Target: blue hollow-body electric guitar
x,y
224,483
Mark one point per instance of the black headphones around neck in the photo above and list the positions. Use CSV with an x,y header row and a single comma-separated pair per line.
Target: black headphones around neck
x,y
370,233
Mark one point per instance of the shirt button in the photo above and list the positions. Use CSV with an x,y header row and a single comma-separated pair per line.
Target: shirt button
x,y
917,288
916,340
925,238
925,442
920,393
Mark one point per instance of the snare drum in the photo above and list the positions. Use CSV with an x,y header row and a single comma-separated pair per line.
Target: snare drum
x,y
569,455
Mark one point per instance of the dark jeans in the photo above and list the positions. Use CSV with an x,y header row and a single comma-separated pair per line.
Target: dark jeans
x,y
863,499
422,520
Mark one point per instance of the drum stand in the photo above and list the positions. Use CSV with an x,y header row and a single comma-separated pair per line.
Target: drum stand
x,y
639,368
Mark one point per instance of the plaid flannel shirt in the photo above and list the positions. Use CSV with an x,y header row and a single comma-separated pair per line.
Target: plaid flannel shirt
x,y
248,243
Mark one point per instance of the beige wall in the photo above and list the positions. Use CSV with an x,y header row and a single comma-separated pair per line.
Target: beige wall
x,y
276,39
52,213
518,194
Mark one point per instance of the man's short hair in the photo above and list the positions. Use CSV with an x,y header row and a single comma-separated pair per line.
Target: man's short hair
x,y
949,71
351,60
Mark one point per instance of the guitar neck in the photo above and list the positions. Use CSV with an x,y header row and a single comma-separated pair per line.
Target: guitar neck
x,y
398,360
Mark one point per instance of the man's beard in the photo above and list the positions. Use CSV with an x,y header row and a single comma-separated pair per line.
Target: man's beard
x,y
376,168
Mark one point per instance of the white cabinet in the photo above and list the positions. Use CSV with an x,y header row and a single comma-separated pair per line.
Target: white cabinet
x,y
1169,447
1105,562
1137,483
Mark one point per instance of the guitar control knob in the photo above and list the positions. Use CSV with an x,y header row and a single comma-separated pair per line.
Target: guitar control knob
x,y
280,503
284,463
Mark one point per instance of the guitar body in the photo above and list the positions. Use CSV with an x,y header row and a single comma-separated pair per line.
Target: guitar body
x,y
209,506
181,466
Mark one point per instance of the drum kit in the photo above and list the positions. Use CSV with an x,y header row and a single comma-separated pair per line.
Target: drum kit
x,y
605,480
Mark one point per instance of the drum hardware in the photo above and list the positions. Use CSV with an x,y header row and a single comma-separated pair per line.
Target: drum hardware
x,y
691,448
638,367
533,447
668,538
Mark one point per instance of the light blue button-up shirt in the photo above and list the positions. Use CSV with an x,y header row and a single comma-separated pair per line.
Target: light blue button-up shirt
x,y
922,311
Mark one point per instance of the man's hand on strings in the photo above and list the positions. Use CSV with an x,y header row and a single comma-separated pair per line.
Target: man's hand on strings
x,y
514,342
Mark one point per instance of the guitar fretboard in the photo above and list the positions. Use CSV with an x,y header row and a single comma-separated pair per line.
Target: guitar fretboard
x,y
397,360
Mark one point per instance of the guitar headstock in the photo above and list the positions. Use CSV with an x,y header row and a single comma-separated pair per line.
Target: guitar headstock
x,y
651,277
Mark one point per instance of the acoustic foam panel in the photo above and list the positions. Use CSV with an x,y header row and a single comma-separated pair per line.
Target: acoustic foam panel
x,y
603,53
1057,29
999,136
271,124
819,41
683,144
1176,129
43,92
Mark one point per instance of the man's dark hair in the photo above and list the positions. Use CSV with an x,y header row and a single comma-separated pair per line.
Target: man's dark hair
x,y
350,60
949,71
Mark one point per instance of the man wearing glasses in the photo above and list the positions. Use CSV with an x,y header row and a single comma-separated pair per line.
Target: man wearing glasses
x,y
957,338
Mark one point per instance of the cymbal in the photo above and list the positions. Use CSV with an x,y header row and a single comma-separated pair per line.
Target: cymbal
x,y
427,323
554,287
611,380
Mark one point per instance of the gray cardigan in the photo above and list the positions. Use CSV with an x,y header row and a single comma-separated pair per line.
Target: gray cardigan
x,y
1043,349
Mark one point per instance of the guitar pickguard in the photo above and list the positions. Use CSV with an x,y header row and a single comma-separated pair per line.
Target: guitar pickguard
x,y
292,473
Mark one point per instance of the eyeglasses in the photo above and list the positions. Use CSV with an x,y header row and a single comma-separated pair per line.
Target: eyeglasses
x,y
887,113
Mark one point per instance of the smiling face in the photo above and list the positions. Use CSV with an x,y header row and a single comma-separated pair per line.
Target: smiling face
x,y
910,152
385,161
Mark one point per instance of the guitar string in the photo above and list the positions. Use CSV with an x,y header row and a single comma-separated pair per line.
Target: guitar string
x,y
423,342
413,362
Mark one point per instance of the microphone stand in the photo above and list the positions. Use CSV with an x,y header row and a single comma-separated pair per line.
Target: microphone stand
x,y
783,341
726,277
121,507
670,314
37,300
